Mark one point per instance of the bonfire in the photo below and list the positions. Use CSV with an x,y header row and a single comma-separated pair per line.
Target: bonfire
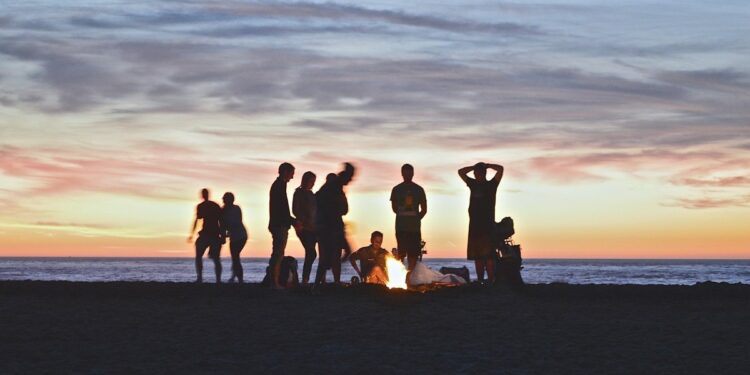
x,y
396,273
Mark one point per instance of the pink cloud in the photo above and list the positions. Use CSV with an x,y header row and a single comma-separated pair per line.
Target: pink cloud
x,y
153,173
702,203
734,181
581,167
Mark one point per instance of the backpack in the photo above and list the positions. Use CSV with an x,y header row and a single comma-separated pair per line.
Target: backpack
x,y
509,259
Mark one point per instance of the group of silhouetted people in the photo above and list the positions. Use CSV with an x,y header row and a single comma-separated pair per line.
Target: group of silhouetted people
x,y
219,223
317,219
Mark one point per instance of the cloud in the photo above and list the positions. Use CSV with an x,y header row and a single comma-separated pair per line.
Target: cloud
x,y
147,171
78,82
340,12
5,21
715,182
720,80
586,167
707,203
173,59
235,19
71,225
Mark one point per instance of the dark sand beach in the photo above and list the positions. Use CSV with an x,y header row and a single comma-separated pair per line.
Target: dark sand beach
x,y
154,328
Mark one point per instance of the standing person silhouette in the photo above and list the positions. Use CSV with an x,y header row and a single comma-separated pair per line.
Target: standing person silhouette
x,y
332,205
209,236
279,221
304,207
480,246
235,230
409,203
345,177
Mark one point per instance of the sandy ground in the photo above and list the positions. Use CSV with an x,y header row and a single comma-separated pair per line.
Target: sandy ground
x,y
104,328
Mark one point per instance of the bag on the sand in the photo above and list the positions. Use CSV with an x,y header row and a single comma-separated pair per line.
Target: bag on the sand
x,y
508,269
460,271
509,259
423,275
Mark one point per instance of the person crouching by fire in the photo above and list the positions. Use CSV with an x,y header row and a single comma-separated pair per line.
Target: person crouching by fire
x,y
371,258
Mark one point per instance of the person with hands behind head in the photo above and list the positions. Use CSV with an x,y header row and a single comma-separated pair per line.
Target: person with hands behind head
x,y
480,247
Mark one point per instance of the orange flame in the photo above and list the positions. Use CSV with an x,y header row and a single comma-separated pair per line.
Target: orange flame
x,y
396,273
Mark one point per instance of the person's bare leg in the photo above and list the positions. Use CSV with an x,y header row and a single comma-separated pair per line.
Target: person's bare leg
x,y
411,261
198,263
491,271
199,269
479,264
217,269
336,269
275,272
377,276
239,272
320,275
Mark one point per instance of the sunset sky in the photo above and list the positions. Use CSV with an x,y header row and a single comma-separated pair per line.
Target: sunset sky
x,y
624,129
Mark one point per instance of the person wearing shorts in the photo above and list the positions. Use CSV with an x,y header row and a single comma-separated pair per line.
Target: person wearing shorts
x,y
409,203
209,236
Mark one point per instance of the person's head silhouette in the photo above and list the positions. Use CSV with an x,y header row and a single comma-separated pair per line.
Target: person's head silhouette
x,y
308,180
204,194
228,199
331,178
376,240
480,171
286,171
407,172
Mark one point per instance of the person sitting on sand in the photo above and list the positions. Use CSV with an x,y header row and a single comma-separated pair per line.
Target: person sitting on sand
x,y
372,261
235,230
209,237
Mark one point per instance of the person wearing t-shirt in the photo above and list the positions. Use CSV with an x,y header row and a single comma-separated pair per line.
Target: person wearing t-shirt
x,y
409,203
371,258
209,237
480,247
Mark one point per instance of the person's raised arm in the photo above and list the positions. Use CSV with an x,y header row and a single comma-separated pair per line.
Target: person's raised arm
x,y
499,169
464,173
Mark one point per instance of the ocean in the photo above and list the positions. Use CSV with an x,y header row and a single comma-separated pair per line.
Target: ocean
x,y
572,271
